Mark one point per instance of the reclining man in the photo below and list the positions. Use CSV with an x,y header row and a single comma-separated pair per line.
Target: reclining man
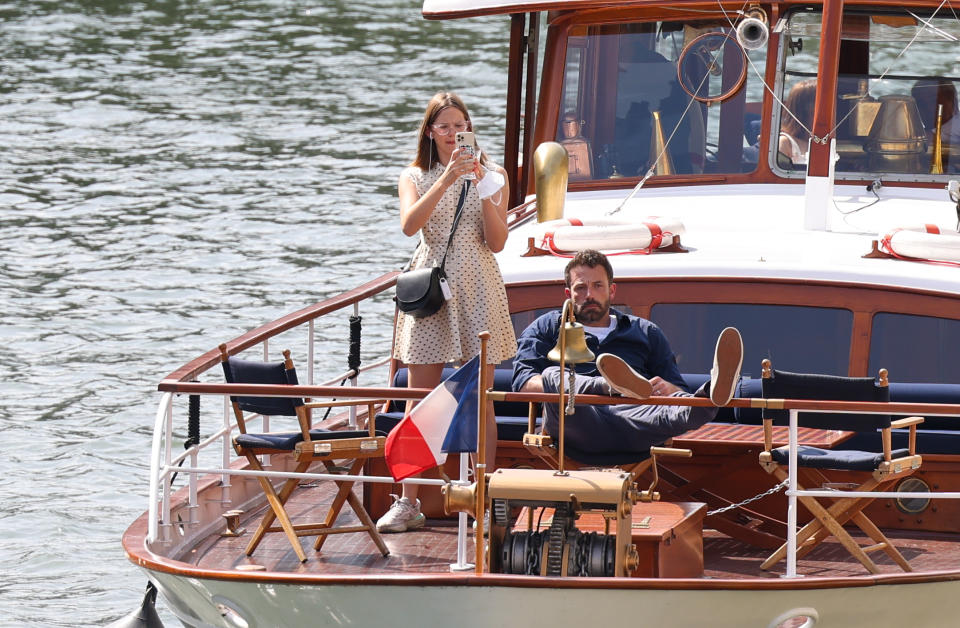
x,y
634,360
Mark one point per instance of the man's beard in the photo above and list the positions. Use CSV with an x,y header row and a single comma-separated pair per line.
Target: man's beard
x,y
590,315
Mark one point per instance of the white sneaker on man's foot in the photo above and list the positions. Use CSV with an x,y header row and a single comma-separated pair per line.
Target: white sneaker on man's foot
x,y
403,515
622,378
727,360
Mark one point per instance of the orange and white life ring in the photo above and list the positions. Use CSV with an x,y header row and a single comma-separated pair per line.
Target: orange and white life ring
x,y
927,243
609,234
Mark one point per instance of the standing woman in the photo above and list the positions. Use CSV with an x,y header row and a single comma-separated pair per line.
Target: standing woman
x,y
429,190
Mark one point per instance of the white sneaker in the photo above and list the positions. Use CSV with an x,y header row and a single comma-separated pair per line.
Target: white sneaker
x,y
622,378
402,516
727,360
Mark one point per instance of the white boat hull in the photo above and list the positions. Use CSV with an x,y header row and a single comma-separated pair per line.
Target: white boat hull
x,y
532,602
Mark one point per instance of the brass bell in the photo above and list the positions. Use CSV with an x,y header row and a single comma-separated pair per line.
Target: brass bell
x,y
575,341
897,141
571,348
571,344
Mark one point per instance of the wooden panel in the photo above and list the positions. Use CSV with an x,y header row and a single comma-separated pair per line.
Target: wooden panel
x,y
668,536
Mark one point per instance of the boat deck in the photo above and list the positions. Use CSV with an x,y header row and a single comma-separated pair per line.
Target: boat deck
x,y
432,549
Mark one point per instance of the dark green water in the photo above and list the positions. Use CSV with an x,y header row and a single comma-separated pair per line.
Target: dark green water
x,y
173,174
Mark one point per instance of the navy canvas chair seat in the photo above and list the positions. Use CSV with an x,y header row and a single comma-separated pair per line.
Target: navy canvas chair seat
x,y
287,441
839,459
885,466
306,446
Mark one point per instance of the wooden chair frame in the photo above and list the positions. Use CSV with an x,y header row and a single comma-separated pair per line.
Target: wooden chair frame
x,y
308,451
829,521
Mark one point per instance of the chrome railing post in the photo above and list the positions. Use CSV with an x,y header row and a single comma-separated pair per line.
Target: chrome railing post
x,y
165,484
792,499
192,478
310,340
153,516
225,454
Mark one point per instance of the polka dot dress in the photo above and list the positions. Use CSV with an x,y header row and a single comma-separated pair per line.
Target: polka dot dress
x,y
479,300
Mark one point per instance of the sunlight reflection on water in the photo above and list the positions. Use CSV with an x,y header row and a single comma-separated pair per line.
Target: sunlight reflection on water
x,y
166,163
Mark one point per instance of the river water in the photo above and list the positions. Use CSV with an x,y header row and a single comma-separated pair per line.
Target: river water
x,y
172,175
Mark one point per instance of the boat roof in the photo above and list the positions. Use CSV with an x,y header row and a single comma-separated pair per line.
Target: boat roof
x,y
757,231
448,9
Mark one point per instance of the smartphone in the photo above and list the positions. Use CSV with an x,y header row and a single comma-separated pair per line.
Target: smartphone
x,y
467,144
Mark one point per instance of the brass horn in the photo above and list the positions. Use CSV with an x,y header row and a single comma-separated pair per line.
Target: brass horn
x,y
752,31
936,163
658,145
550,172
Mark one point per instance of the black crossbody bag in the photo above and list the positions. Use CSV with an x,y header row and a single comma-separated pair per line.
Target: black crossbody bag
x,y
419,293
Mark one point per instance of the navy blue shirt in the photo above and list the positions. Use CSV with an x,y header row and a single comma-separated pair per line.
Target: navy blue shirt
x,y
640,343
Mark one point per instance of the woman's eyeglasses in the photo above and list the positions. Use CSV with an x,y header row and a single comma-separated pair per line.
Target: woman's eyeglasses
x,y
446,129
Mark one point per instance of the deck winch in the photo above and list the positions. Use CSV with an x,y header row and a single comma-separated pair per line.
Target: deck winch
x,y
521,547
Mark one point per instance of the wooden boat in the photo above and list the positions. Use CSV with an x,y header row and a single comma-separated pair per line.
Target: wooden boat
x,y
663,109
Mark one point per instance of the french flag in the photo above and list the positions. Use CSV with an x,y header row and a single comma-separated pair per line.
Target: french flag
x,y
444,422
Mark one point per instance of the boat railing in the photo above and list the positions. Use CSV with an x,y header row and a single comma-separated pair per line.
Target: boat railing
x,y
164,465
184,383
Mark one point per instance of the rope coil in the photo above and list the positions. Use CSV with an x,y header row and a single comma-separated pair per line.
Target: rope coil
x,y
353,357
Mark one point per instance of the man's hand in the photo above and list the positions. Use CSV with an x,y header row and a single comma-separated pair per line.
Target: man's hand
x,y
534,384
663,388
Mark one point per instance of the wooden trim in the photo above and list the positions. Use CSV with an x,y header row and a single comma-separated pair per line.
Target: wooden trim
x,y
532,43
511,139
824,115
262,390
863,300
137,552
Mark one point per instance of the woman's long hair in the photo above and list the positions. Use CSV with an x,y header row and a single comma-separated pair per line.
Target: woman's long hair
x,y
800,102
426,148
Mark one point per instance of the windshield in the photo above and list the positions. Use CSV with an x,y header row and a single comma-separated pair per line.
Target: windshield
x,y
896,76
673,97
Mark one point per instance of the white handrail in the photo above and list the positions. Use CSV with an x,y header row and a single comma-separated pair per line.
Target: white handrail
x,y
161,472
793,493
166,401
792,498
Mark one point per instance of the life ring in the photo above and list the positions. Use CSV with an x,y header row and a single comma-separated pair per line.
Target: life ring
x,y
926,243
609,234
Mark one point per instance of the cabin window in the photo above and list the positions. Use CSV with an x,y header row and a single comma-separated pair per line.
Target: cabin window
x,y
629,103
795,338
896,71
919,349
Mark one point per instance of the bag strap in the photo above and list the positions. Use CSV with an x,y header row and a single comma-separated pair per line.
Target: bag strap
x,y
456,221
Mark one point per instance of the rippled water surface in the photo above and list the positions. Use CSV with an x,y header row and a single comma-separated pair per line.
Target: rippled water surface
x,y
172,175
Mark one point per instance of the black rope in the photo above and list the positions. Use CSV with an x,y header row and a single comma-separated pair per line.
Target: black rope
x,y
193,423
353,358
193,429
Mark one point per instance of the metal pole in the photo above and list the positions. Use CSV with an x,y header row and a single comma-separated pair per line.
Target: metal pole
x,y
481,451
792,499
462,564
